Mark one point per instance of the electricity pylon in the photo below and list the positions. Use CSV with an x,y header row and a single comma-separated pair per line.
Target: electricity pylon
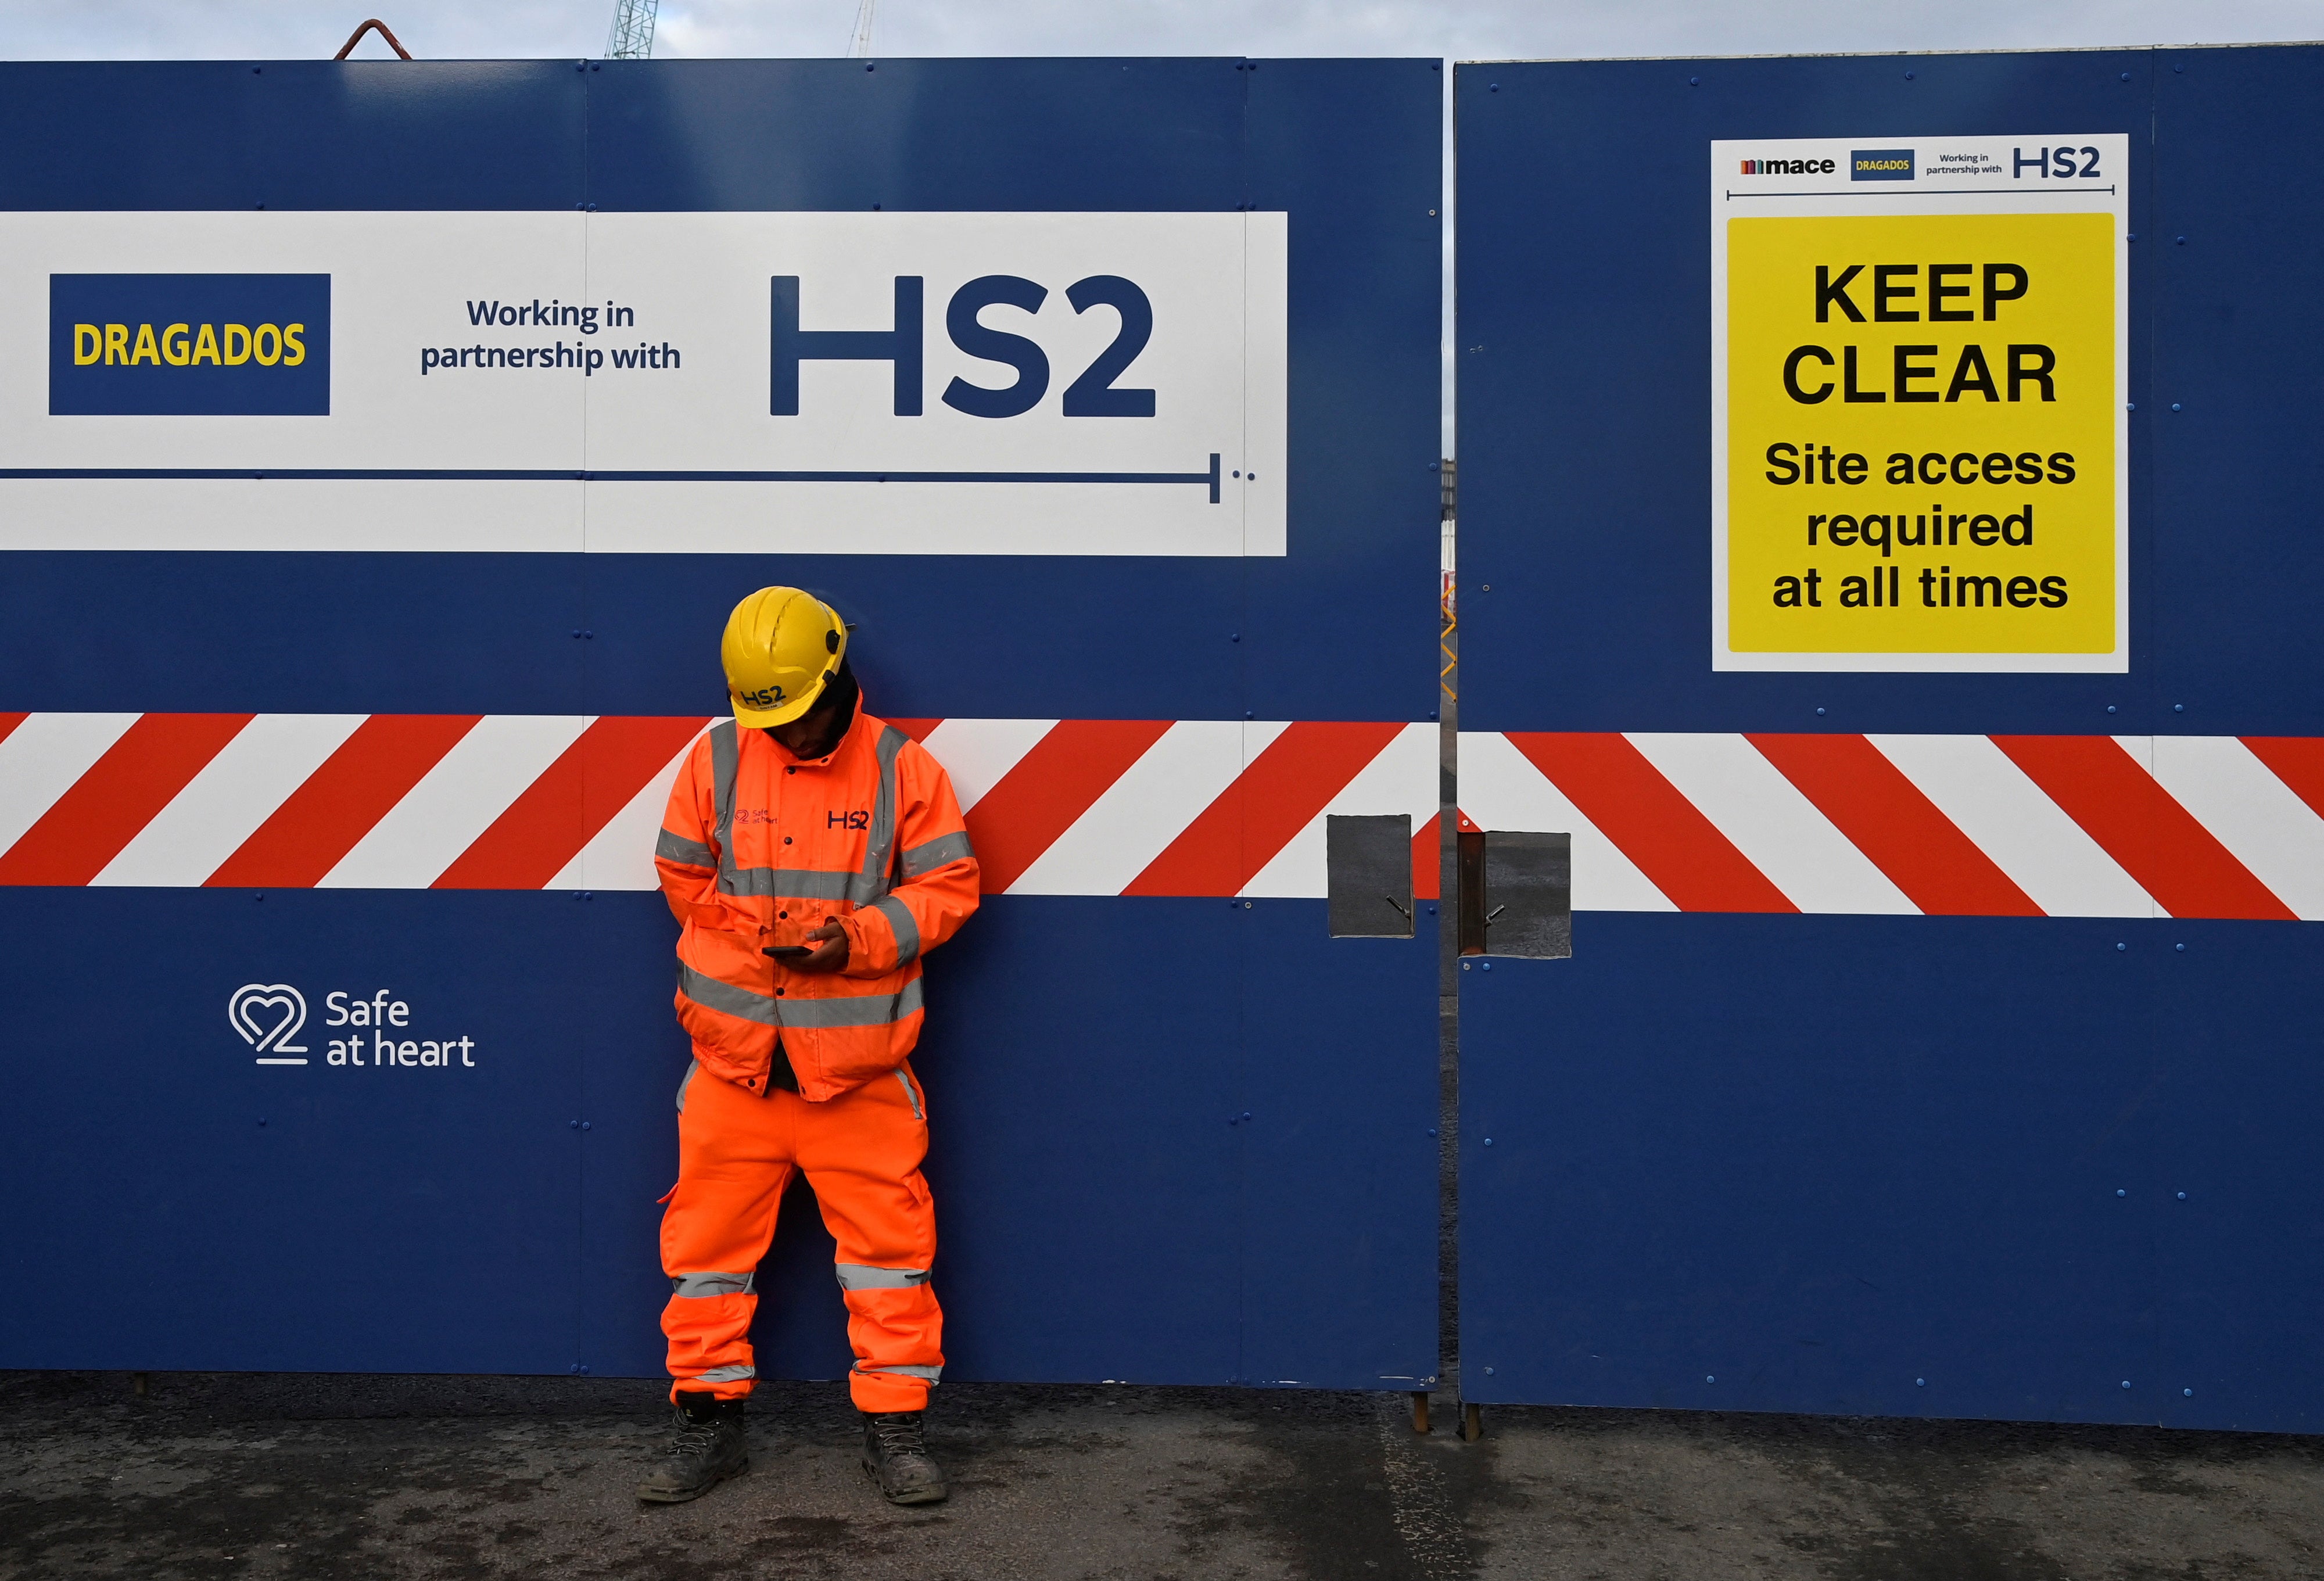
x,y
633,29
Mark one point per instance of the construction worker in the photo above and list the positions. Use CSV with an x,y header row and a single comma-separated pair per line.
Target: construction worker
x,y
813,854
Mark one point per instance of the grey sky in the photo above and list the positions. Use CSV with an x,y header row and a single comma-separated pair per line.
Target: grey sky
x,y
1494,29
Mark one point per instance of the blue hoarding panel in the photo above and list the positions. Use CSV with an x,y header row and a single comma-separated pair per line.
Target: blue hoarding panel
x,y
1822,1160
2238,358
1085,1047
328,1215
1584,366
2236,1198
2032,1153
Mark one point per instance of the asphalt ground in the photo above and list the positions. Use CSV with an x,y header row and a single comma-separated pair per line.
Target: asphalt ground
x,y
261,1475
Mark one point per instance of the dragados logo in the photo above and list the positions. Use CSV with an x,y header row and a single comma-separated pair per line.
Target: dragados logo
x,y
268,1015
189,344
1880,164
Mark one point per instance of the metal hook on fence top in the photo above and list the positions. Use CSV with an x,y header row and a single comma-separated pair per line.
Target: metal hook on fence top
x,y
370,24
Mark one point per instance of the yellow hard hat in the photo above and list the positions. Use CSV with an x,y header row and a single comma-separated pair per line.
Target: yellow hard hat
x,y
782,647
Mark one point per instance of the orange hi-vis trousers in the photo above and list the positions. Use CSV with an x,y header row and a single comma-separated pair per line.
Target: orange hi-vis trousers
x,y
862,1152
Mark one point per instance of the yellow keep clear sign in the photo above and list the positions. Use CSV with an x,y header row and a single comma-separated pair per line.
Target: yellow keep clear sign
x,y
1919,418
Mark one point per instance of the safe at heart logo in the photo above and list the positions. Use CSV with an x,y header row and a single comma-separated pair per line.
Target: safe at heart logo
x,y
268,1015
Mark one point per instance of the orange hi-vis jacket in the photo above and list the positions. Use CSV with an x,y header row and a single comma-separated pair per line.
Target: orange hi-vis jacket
x,y
759,847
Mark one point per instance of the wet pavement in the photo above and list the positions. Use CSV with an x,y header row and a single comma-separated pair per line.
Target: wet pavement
x,y
276,1475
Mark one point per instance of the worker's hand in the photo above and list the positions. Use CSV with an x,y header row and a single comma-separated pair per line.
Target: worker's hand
x,y
830,942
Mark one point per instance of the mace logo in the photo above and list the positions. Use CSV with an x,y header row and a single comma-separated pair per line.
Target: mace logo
x,y
1787,167
268,1015
1880,164
189,344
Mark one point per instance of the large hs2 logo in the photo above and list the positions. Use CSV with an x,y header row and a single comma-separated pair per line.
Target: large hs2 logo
x,y
268,1015
1092,393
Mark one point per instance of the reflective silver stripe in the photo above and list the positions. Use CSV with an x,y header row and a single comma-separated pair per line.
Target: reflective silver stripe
x,y
912,1094
899,917
726,1374
944,848
672,848
686,1083
694,1286
880,849
931,1374
710,993
802,884
861,1010
866,1009
860,1276
725,754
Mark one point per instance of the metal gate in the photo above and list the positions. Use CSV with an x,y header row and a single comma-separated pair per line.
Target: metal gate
x,y
1939,1033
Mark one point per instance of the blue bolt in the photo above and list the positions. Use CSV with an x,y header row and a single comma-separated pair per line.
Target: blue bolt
x,y
573,1124
1234,636
2183,1196
2109,708
584,1369
1492,88
2181,240
1710,1378
584,1125
1246,1114
2176,407
1819,713
1488,1372
261,1120
1489,1142
2180,947
2122,947
1484,966
1694,82
1432,911
2188,1392
1432,1131
2125,1383
2178,707
1908,77
2121,1193
1920,1383
2125,77
2133,235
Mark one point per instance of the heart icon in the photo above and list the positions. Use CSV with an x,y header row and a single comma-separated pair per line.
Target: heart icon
x,y
247,1012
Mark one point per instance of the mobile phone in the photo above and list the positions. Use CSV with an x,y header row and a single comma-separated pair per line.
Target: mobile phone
x,y
786,952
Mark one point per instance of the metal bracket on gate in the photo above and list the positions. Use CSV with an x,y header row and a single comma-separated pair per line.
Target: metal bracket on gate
x,y
1517,894
1367,875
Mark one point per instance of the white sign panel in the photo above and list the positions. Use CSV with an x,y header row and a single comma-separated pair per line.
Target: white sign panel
x,y
760,383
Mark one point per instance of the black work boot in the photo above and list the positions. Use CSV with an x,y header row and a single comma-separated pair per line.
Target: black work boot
x,y
896,1453
711,1445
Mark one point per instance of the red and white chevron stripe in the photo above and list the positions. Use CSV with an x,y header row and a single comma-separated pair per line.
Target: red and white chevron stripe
x,y
1073,807
1975,826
